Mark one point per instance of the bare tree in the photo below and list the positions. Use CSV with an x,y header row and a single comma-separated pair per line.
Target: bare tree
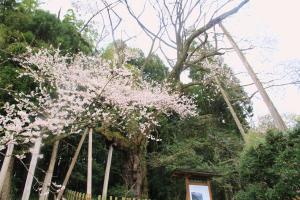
x,y
186,29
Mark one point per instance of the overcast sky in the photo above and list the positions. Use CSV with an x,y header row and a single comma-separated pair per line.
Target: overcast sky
x,y
272,27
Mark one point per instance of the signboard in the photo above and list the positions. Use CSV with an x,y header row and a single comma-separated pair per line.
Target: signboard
x,y
197,183
198,191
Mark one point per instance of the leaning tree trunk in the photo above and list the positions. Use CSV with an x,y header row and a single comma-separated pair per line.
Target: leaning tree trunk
x,y
135,172
6,164
47,181
33,163
6,189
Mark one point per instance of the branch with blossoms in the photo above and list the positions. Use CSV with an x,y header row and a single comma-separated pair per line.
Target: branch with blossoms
x,y
72,90
76,92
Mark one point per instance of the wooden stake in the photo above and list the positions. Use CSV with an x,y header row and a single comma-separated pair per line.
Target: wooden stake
x,y
33,163
275,114
107,171
5,165
89,168
74,159
231,109
47,181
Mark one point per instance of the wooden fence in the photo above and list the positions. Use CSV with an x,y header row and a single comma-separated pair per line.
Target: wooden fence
x,y
73,195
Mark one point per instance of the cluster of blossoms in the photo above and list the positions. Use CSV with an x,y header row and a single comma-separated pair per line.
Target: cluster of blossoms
x,y
77,91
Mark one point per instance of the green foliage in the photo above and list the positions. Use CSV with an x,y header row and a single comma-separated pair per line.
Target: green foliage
x,y
22,25
253,139
197,144
210,100
272,169
210,142
152,69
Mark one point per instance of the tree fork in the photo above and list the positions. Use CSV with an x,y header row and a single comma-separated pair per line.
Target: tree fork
x,y
275,114
74,159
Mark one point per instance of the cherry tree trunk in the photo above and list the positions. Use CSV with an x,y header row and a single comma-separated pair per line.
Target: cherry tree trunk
x,y
6,164
33,163
47,181
73,162
6,189
135,173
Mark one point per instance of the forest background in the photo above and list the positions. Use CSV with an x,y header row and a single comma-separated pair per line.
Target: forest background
x,y
210,141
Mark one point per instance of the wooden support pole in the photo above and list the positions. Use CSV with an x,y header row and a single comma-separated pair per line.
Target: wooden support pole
x,y
74,159
33,163
275,114
89,167
231,109
5,165
107,171
47,181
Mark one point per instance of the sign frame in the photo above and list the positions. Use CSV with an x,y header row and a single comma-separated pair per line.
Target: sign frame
x,y
189,182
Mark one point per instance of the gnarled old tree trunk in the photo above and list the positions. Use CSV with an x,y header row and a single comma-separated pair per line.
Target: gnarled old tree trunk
x,y
135,172
135,168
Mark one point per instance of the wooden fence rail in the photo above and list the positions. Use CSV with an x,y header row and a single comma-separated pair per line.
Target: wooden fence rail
x,y
73,195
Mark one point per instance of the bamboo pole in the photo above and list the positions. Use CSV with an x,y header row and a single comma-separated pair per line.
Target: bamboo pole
x,y
5,165
74,159
231,109
89,167
275,114
107,171
33,163
47,181
6,192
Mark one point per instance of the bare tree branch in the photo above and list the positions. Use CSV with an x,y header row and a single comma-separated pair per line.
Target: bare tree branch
x,y
97,13
175,74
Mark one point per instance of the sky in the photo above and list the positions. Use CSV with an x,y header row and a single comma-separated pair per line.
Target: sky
x,y
271,27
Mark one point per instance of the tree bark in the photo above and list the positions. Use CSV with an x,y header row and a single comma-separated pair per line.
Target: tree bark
x,y
33,163
6,189
275,114
89,167
73,162
6,164
183,52
107,171
47,181
231,109
135,173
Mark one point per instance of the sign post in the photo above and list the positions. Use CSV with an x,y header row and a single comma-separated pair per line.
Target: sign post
x,y
198,184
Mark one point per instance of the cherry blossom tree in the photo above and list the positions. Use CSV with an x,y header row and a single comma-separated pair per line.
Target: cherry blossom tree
x,y
83,91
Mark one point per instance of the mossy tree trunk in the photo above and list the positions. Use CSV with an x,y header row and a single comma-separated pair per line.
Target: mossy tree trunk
x,y
135,172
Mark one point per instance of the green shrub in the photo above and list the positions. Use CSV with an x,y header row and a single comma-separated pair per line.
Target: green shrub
x,y
271,170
